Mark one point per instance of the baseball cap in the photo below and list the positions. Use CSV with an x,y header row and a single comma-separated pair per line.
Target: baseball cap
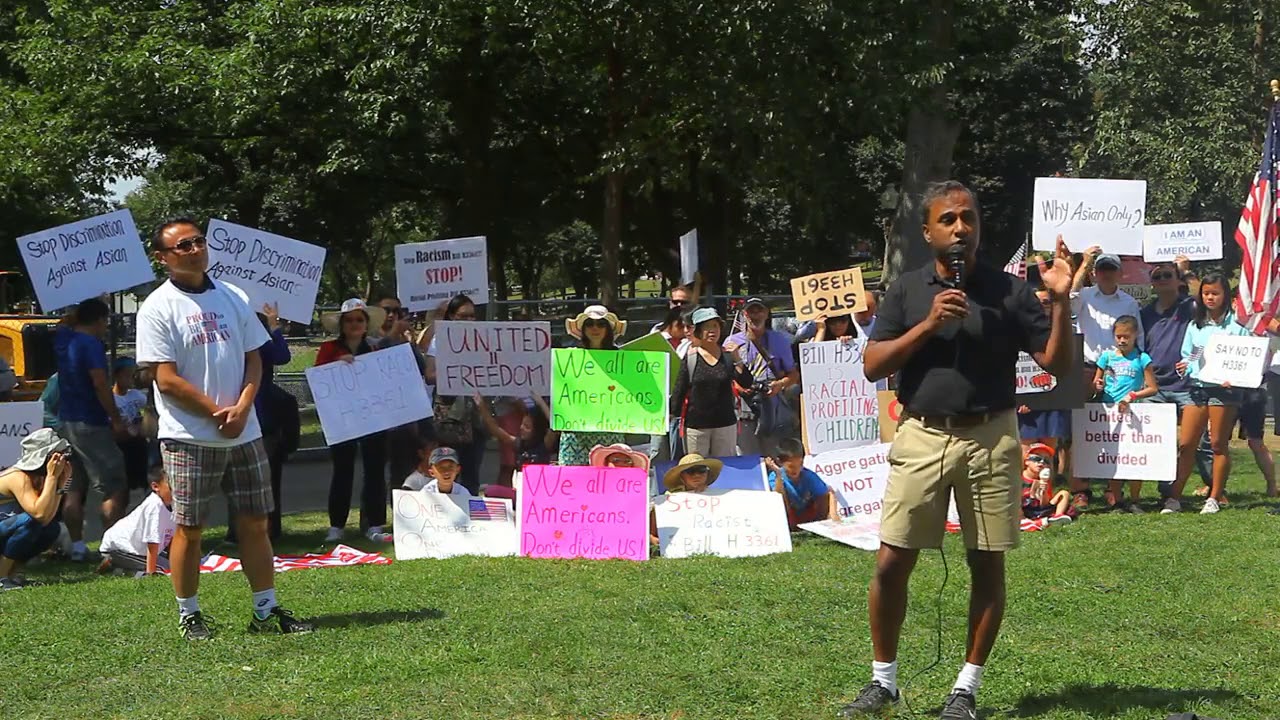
x,y
702,315
444,454
754,301
1040,449
1107,261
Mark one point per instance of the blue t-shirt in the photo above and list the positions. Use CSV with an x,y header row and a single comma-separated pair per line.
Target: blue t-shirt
x,y
1122,374
803,490
78,353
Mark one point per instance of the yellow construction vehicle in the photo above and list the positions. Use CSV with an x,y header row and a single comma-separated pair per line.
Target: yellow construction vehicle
x,y
26,343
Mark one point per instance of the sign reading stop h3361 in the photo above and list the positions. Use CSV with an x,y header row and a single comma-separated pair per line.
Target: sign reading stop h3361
x,y
1032,378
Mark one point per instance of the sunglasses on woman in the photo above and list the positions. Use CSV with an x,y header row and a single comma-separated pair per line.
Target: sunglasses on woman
x,y
697,470
602,324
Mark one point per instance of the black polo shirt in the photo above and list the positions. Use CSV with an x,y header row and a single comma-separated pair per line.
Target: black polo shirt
x,y
968,367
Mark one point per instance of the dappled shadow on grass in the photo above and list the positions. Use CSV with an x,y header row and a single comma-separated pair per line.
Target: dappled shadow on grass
x,y
378,617
1103,700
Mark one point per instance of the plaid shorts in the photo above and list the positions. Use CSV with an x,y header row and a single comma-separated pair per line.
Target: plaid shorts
x,y
196,472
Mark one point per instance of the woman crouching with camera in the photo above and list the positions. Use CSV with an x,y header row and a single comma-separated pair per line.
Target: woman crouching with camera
x,y
29,495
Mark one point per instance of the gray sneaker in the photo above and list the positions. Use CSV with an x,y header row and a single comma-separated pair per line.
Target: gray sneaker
x,y
8,583
873,700
960,705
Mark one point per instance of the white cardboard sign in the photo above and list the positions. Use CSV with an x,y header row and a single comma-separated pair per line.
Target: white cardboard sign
x,y
17,420
688,256
1236,359
1032,378
857,475
1108,213
840,407
377,391
1197,241
85,259
271,269
864,535
430,273
434,525
493,358
1139,445
726,523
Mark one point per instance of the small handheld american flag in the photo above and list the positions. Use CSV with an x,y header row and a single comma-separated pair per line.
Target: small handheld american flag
x,y
1017,264
483,509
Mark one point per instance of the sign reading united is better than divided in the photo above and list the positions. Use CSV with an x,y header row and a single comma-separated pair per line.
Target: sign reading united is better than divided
x,y
609,391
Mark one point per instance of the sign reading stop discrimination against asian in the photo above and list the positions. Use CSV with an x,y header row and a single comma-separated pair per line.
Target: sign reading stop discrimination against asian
x,y
830,293
840,408
858,476
1141,444
584,512
1196,241
430,273
1238,360
609,391
1032,378
271,269
85,259
375,391
1107,213
725,523
493,358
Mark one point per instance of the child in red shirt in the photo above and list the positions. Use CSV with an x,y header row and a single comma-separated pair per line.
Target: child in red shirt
x,y
1038,499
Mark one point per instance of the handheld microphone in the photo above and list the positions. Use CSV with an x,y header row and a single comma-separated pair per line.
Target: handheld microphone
x,y
955,261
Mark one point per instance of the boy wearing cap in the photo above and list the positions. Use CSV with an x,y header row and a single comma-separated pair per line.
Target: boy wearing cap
x,y
806,496
1038,498
440,474
29,495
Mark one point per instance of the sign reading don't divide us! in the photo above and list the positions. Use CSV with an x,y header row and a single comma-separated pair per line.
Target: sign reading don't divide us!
x,y
271,269
84,259
612,391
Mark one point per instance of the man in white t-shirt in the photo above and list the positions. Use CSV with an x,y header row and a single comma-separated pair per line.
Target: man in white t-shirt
x,y
202,339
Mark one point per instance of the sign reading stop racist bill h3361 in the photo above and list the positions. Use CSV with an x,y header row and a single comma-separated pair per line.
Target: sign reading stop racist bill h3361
x,y
493,358
831,293
430,273
84,259
271,269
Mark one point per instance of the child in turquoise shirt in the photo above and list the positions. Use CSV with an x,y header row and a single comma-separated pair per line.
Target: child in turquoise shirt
x,y
1125,375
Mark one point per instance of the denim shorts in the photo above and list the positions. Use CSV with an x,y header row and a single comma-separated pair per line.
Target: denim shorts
x,y
1216,396
1180,398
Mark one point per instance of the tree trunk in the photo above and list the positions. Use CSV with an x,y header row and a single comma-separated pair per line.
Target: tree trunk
x,y
614,183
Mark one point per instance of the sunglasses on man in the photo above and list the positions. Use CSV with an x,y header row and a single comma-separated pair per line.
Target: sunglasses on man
x,y
1162,275
191,244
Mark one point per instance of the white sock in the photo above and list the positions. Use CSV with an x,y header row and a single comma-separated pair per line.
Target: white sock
x,y
263,602
79,546
188,606
886,674
970,678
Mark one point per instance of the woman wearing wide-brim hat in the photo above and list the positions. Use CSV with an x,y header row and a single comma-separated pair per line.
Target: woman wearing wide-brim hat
x,y
694,473
30,491
352,324
705,382
596,328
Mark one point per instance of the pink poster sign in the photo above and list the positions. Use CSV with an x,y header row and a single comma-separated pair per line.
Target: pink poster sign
x,y
584,512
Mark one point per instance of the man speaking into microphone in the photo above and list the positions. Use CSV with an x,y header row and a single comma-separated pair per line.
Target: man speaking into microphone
x,y
951,331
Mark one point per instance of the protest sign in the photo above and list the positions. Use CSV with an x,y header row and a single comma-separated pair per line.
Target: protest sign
x,y
1066,392
839,403
1234,359
830,293
725,523
688,256
890,414
430,273
654,342
588,512
271,269
493,358
1197,241
17,420
1108,213
434,525
85,259
858,477
376,391
609,391
741,472
863,535
1141,444
1032,378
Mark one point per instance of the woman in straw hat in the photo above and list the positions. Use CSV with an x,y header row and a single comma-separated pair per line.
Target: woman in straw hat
x,y
693,473
29,495
351,325
595,328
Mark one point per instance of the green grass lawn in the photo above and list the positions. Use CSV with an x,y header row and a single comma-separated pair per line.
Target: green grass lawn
x,y
1132,617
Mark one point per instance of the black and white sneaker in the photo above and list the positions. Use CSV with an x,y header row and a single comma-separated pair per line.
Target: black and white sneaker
x,y
873,700
960,705
279,622
196,627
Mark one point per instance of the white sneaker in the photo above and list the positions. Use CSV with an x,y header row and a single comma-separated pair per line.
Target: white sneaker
x,y
1210,507
1059,519
335,535
375,534
1171,506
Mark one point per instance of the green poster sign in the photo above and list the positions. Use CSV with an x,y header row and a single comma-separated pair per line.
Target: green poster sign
x,y
654,342
610,391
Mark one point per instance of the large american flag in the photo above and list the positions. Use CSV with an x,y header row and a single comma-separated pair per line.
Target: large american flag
x,y
1258,297
1017,264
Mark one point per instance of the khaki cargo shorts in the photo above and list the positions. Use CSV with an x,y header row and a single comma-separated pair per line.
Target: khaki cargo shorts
x,y
981,465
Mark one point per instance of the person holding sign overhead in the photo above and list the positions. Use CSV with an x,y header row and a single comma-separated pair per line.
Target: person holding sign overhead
x,y
951,331
351,324
596,328
456,419
1212,405
704,381
202,340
